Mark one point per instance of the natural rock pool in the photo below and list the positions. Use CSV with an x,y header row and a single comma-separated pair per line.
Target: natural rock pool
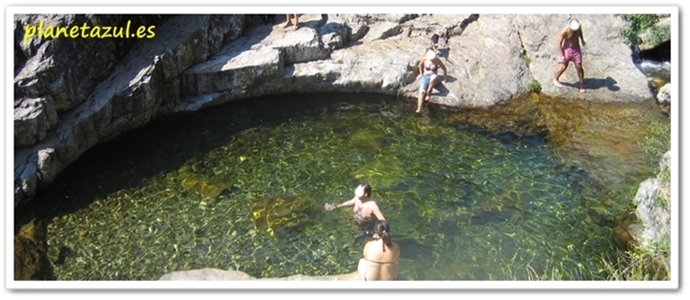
x,y
242,186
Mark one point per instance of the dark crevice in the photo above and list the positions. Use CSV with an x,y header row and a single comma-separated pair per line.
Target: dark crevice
x,y
660,53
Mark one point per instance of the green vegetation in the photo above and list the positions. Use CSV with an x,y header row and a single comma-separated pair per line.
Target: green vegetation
x,y
642,264
526,59
657,141
640,23
535,86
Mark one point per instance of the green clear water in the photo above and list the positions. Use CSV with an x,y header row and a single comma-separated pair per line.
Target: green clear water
x,y
242,187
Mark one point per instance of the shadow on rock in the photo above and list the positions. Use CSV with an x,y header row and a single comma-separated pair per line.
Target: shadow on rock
x,y
596,83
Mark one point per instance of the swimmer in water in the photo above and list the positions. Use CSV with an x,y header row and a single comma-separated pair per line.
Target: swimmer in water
x,y
365,212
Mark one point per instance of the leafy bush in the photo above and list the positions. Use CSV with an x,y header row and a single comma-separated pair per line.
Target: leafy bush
x,y
639,23
534,86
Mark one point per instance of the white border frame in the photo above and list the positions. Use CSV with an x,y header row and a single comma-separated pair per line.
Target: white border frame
x,y
309,285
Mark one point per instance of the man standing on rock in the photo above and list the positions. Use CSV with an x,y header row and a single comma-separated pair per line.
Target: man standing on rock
x,y
569,47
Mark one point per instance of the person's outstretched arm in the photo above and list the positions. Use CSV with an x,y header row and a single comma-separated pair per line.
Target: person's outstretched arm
x,y
330,207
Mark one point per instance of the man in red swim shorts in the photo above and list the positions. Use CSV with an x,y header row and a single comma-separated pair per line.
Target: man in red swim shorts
x,y
569,47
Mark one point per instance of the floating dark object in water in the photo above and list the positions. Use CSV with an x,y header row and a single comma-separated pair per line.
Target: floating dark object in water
x,y
533,139
64,252
505,135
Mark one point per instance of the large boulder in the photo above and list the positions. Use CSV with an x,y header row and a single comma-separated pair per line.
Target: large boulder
x,y
664,95
653,209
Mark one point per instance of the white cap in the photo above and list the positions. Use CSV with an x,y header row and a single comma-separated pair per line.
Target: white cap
x,y
574,25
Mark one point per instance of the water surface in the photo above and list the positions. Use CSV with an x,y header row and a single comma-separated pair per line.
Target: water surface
x,y
242,187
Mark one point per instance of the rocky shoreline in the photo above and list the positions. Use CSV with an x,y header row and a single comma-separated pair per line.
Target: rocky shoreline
x,y
64,106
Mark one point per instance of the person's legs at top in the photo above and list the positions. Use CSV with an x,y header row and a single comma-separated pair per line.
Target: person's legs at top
x,y
296,21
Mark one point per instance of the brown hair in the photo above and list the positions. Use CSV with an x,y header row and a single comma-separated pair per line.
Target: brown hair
x,y
381,229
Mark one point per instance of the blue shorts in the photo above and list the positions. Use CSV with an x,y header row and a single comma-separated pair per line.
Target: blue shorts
x,y
424,85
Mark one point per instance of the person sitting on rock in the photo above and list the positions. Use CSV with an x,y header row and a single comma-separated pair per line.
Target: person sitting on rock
x,y
380,256
428,71
365,212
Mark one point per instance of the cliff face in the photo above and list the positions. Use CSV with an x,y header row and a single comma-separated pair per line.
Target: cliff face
x,y
71,94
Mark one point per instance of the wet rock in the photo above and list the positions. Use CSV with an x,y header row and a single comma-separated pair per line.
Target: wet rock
x,y
664,95
653,209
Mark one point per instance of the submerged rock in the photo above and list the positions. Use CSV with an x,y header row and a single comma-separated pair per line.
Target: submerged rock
x,y
271,214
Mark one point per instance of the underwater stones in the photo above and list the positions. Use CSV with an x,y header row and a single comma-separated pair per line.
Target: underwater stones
x,y
208,186
384,171
367,140
271,214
